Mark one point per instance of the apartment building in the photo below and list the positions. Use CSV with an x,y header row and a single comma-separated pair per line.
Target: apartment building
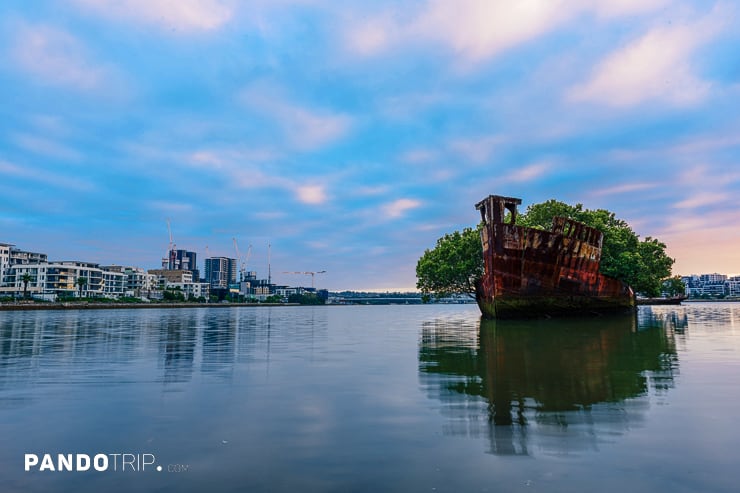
x,y
68,278
9,255
139,283
220,272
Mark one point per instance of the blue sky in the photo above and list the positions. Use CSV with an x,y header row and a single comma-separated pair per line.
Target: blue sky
x,y
351,135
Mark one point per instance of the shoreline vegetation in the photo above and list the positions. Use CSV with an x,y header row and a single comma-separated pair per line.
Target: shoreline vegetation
x,y
456,264
82,305
336,298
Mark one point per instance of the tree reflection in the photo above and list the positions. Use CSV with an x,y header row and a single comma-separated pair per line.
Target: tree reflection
x,y
562,384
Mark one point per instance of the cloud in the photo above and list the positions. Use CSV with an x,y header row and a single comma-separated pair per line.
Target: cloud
x,y
55,57
410,104
527,173
306,128
177,15
311,194
240,168
311,130
476,150
715,235
702,199
245,170
476,30
419,156
398,208
717,178
624,188
46,147
371,36
370,190
206,159
490,26
8,170
655,67
616,8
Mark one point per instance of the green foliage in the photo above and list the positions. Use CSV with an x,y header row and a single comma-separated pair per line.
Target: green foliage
x,y
452,266
26,278
173,295
641,264
274,298
674,286
306,299
81,283
455,263
129,299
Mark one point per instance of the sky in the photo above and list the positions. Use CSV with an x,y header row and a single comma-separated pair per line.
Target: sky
x,y
350,135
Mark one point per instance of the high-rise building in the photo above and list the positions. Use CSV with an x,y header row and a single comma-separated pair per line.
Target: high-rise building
x,y
182,260
220,272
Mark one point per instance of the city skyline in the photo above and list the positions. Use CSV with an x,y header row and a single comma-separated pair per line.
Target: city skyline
x,y
350,137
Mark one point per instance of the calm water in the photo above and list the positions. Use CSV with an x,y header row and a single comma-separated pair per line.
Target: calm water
x,y
400,398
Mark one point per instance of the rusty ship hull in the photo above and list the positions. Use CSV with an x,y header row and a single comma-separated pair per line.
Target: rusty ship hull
x,y
536,273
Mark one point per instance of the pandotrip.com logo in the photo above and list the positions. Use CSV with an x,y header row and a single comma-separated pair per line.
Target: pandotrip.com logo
x,y
118,462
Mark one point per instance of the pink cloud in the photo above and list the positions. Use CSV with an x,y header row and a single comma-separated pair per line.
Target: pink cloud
x,y
311,194
178,15
306,128
476,30
53,56
657,66
398,208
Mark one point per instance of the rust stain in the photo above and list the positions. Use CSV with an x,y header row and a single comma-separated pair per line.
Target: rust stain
x,y
530,272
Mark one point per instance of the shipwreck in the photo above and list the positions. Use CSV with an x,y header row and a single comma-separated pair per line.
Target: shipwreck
x,y
536,273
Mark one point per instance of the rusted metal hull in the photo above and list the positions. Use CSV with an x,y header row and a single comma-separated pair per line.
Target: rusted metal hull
x,y
534,273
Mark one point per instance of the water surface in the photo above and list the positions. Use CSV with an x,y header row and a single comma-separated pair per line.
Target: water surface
x,y
373,398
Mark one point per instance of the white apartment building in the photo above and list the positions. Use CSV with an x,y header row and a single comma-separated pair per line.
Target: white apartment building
x,y
733,286
4,258
165,277
139,283
50,280
180,279
286,291
9,255
192,289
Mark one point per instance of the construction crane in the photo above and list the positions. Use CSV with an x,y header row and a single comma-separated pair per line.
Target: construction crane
x,y
169,231
246,259
308,273
167,262
239,261
242,261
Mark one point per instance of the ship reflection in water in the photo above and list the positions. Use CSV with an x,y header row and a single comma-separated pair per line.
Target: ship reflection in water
x,y
548,386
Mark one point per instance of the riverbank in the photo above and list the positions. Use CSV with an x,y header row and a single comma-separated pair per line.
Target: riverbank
x,y
676,301
108,306
723,300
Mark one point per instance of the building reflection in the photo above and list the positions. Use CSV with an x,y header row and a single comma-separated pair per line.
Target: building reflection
x,y
557,386
219,344
92,346
177,347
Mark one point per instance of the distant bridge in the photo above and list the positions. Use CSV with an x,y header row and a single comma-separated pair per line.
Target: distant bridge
x,y
390,300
